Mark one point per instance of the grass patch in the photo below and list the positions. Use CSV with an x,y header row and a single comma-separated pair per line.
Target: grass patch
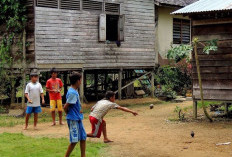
x,y
9,121
23,146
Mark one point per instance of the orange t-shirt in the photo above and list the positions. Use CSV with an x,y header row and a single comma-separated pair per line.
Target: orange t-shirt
x,y
54,84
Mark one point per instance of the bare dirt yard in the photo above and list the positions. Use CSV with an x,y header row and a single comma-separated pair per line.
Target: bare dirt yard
x,y
151,134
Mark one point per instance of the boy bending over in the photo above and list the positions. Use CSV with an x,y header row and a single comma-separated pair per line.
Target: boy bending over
x,y
99,110
74,116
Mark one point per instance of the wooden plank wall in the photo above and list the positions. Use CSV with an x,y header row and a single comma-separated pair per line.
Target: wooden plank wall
x,y
71,37
30,35
216,68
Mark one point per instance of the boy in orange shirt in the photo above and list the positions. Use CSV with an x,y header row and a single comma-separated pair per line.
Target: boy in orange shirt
x,y
54,86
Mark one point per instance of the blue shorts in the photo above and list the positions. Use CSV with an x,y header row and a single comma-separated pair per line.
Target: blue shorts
x,y
31,109
76,131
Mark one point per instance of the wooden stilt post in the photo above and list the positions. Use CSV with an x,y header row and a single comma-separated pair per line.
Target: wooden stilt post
x,y
24,69
65,83
82,87
96,84
195,109
152,83
120,84
227,109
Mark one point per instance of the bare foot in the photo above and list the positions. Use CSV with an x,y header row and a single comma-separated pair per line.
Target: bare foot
x,y
61,123
25,128
108,141
35,128
53,124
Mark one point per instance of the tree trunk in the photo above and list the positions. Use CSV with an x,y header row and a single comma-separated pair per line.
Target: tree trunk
x,y
24,69
200,83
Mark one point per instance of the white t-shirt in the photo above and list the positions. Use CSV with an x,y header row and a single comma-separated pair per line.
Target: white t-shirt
x,y
101,108
34,90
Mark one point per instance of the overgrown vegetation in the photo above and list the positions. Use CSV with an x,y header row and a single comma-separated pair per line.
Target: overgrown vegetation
x,y
13,22
23,146
182,52
172,81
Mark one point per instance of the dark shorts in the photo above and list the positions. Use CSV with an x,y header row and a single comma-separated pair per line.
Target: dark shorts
x,y
31,109
76,131
96,126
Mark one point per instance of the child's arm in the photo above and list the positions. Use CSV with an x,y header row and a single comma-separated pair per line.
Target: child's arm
x,y
66,108
127,110
27,96
93,107
42,96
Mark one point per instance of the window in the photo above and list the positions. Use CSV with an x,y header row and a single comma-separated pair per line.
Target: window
x,y
47,3
181,31
111,27
92,5
112,8
70,4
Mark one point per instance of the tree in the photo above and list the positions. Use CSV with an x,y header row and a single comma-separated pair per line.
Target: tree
x,y
183,51
12,26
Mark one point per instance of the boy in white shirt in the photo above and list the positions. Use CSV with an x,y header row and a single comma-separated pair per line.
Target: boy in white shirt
x,y
33,92
99,110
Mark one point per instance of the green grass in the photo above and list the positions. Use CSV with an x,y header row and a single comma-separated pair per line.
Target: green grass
x,y
24,146
9,121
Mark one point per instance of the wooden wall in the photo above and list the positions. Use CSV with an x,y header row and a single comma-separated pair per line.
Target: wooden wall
x,y
30,35
216,68
69,38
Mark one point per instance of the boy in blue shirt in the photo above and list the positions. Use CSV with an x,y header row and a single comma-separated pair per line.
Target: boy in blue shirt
x,y
74,116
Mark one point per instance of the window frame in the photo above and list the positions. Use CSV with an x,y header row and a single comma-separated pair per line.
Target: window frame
x,y
181,24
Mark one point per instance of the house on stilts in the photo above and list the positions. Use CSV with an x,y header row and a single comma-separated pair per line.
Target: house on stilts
x,y
212,19
99,38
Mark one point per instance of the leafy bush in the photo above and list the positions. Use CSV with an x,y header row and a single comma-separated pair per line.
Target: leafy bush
x,y
172,81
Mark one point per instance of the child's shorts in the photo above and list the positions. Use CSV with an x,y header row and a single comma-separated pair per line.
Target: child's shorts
x,y
54,103
76,131
31,109
96,126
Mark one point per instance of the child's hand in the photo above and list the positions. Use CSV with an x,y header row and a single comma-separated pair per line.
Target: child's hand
x,y
43,102
30,101
135,113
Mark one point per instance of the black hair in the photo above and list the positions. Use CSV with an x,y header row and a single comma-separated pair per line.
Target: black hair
x,y
74,77
53,70
34,75
109,95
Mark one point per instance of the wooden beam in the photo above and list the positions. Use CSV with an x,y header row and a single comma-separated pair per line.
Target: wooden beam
x,y
120,84
211,22
195,109
82,87
152,83
133,81
24,69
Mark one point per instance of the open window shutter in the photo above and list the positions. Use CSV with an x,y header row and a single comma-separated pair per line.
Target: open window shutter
x,y
102,27
121,23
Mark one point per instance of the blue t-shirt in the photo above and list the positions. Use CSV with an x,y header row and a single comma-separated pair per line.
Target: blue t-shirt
x,y
74,108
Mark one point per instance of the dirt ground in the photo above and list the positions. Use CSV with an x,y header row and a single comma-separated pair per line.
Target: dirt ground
x,y
151,134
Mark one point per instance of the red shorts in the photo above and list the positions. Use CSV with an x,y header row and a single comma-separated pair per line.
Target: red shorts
x,y
96,126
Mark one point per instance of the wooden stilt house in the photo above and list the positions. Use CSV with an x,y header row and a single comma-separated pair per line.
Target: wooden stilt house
x,y
93,36
212,19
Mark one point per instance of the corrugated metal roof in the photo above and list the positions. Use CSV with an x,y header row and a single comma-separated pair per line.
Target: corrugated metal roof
x,y
206,6
181,3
